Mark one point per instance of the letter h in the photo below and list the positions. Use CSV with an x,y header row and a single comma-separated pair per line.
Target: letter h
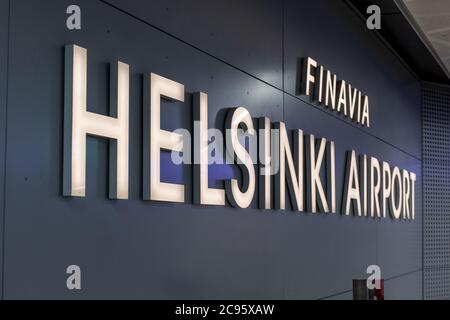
x,y
78,123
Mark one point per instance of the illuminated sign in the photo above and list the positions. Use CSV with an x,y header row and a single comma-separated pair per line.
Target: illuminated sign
x,y
323,87
303,171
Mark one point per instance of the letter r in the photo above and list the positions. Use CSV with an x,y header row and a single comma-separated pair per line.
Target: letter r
x,y
78,123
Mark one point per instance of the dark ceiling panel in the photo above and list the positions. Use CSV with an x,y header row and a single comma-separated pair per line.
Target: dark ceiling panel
x,y
402,37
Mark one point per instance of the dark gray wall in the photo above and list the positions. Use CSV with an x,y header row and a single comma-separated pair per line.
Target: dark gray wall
x,y
436,187
240,53
4,19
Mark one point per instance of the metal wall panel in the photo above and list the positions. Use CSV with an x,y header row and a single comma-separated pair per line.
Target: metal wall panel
x,y
404,287
246,34
329,32
133,248
138,249
4,19
348,244
436,191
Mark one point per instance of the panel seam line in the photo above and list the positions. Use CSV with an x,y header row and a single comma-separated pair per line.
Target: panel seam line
x,y
105,2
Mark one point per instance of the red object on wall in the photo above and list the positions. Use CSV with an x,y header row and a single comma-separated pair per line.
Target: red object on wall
x,y
379,293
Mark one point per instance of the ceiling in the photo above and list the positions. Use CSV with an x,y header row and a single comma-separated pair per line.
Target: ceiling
x,y
433,19
418,31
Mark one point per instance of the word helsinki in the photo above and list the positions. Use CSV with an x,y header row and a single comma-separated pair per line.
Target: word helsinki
x,y
303,171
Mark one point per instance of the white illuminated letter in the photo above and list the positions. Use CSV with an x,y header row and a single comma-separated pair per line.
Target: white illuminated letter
x,y
156,139
358,114
237,197
363,183
365,112
351,189
294,174
396,193
352,95
342,97
308,77
202,193
331,176
265,164
78,123
318,88
374,187
330,90
412,176
406,194
386,186
313,181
